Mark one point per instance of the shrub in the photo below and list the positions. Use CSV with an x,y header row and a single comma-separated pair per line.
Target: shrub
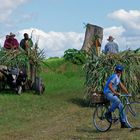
x,y
75,56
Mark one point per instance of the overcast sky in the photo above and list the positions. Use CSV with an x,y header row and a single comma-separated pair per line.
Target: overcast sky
x,y
59,24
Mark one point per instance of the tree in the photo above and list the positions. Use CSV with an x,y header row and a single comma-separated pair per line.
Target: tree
x,y
93,39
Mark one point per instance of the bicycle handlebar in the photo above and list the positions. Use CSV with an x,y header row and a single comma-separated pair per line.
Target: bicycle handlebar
x,y
126,95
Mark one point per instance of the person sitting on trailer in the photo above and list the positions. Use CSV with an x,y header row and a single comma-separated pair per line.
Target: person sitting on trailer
x,y
11,42
26,43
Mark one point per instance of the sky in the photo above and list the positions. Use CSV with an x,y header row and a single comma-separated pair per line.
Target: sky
x,y
60,24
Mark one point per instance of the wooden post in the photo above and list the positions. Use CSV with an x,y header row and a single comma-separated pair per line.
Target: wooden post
x,y
93,39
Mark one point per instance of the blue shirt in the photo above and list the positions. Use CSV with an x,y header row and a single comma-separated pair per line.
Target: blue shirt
x,y
115,80
111,47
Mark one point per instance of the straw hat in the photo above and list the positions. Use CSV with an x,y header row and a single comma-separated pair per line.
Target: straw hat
x,y
12,35
110,38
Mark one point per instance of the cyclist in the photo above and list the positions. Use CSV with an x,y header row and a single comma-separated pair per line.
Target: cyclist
x,y
110,92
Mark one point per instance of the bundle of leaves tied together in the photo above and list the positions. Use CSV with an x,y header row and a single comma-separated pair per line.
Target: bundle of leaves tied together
x,y
98,69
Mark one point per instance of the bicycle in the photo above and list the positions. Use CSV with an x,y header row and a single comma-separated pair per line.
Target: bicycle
x,y
132,110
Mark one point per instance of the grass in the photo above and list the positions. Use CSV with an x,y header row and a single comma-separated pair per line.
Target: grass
x,y
60,114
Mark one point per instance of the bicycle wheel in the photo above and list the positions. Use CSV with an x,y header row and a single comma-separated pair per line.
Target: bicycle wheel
x,y
133,114
99,120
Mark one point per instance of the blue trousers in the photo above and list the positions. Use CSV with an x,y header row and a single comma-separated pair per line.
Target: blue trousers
x,y
116,103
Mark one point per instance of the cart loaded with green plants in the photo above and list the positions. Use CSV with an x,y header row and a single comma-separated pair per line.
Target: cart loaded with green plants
x,y
98,69
16,62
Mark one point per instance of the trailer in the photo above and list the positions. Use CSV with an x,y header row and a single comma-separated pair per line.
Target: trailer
x,y
21,61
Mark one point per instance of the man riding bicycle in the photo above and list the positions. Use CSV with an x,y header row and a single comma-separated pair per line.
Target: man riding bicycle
x,y
110,92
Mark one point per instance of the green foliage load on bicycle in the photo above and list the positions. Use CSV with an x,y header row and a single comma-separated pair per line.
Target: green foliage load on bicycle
x,y
104,75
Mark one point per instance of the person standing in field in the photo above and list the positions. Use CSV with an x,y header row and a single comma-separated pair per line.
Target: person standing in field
x,y
111,47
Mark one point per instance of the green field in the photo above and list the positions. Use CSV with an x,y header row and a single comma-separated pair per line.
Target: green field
x,y
60,114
